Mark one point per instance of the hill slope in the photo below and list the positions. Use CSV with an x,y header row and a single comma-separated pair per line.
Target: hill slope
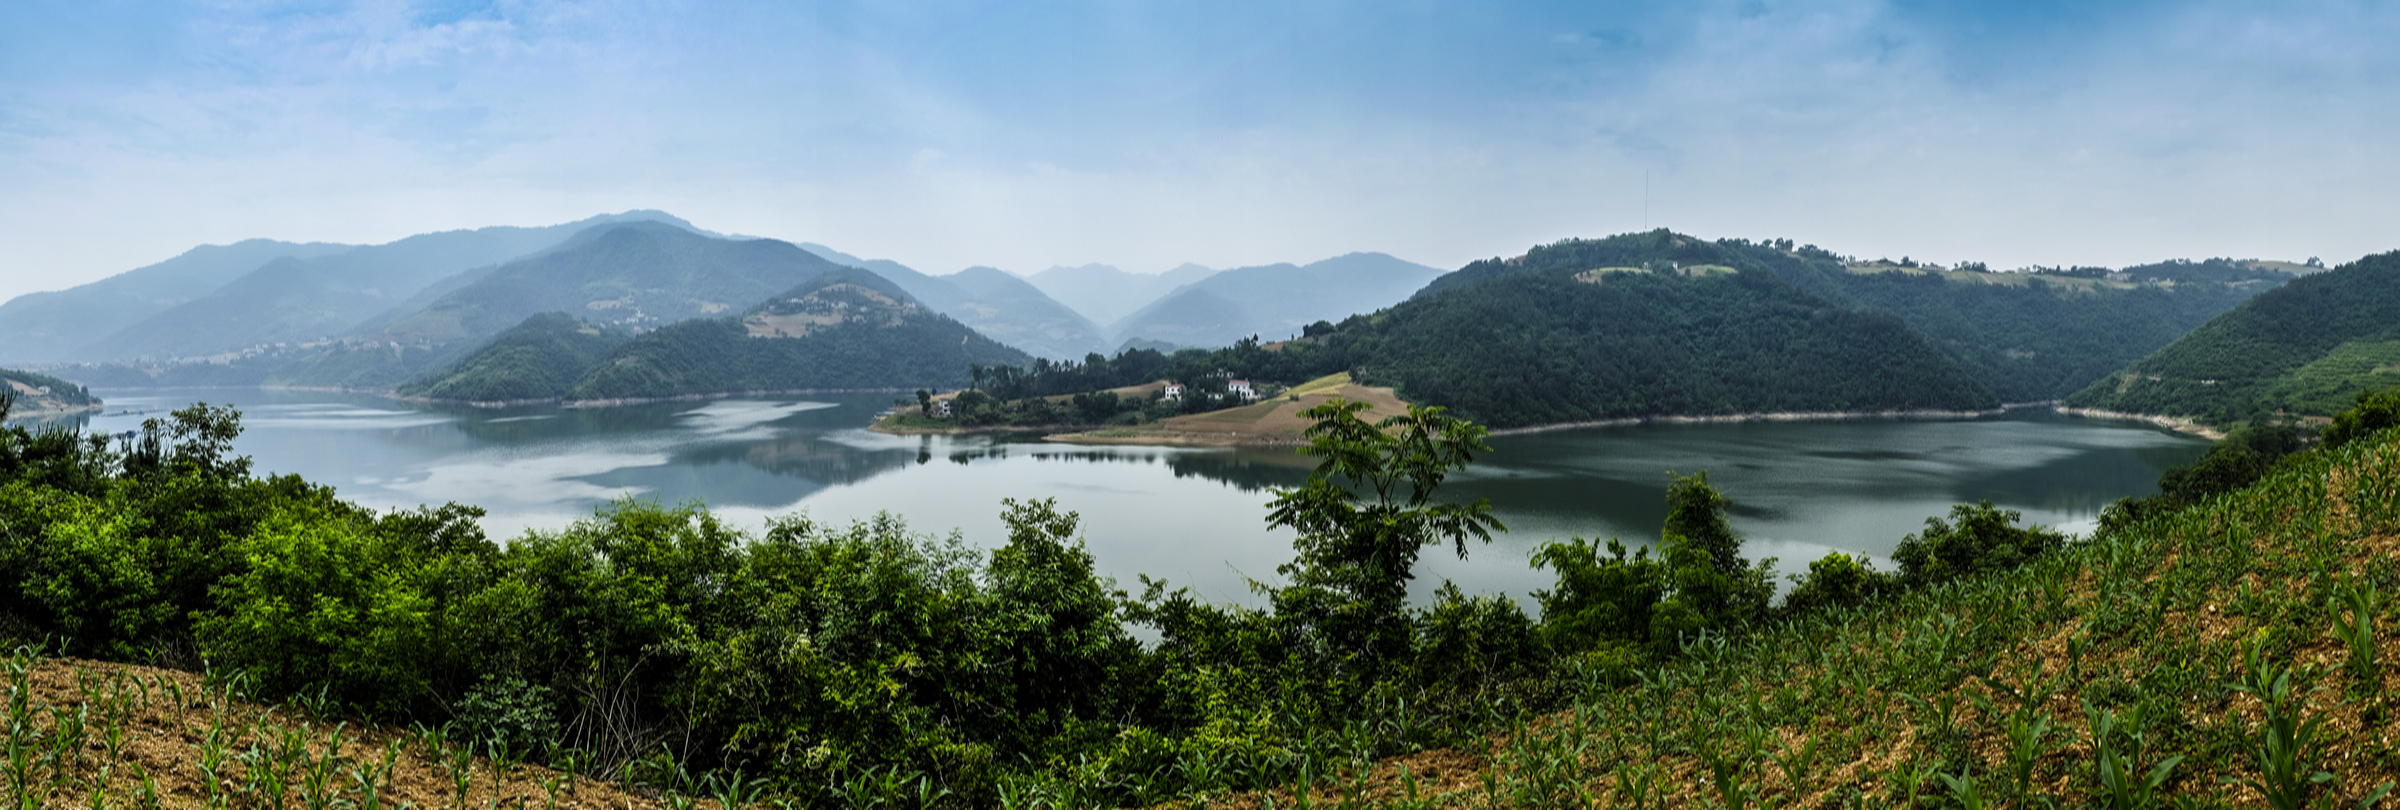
x,y
2032,337
1272,301
539,359
846,329
994,303
631,276
2026,337
291,300
41,394
50,326
2304,348
1538,349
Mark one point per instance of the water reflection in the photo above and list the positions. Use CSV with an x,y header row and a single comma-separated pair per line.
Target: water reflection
x,y
1196,516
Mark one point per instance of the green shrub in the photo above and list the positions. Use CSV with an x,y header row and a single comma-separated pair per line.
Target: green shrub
x,y
2375,411
1978,538
1836,580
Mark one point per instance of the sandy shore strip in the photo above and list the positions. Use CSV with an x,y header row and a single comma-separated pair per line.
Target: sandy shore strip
x,y
2174,423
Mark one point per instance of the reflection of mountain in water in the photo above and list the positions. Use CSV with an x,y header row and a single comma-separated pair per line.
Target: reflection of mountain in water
x,y
1247,469
805,455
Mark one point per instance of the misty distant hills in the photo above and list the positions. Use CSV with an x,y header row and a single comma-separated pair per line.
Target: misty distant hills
x,y
220,300
1273,301
47,327
631,276
992,302
845,328
1106,294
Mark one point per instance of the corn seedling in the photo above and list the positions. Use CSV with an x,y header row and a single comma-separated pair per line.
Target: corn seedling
x,y
2356,606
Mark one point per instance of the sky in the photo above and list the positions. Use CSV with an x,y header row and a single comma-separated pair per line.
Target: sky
x,y
1148,134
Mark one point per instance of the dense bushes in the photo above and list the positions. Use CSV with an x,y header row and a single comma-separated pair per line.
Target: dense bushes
x,y
651,640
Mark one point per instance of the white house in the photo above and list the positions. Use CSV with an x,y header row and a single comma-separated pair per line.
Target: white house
x,y
1242,388
1171,393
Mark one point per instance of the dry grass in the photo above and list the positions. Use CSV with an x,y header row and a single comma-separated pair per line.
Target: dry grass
x,y
92,734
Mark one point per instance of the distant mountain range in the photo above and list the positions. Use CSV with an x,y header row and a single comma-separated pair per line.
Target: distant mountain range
x,y
1106,294
643,305
370,316
844,329
1273,301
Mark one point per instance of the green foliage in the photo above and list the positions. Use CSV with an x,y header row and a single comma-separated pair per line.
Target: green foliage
x,y
1836,580
1978,538
38,391
2244,456
1363,517
1598,599
2375,411
2255,360
539,359
895,349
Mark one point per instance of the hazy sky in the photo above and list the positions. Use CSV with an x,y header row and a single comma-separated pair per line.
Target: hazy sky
x,y
1146,134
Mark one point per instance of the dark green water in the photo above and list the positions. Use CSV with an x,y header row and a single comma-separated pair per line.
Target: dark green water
x,y
1192,516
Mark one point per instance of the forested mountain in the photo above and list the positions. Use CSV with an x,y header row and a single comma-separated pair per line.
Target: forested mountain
x,y
293,300
50,326
2033,337
846,329
1536,349
1272,301
2304,349
540,359
1106,294
992,302
2025,336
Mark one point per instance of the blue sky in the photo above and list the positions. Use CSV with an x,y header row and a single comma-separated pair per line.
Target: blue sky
x,y
1147,134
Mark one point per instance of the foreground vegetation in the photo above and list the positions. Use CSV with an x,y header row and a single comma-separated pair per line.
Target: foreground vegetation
x,y
2234,637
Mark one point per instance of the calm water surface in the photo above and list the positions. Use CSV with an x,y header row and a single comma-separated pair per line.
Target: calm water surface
x,y
1193,516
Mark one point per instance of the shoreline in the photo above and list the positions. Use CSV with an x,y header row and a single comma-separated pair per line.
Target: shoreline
x,y
1925,414
15,415
2174,423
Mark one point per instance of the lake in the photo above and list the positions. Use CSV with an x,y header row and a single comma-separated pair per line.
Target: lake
x,y
1193,516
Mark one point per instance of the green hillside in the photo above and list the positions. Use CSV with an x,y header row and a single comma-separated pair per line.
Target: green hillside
x,y
25,393
1533,349
539,359
2026,337
846,329
2303,349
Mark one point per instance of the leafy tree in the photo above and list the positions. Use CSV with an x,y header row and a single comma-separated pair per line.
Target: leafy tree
x,y
2375,411
1366,512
